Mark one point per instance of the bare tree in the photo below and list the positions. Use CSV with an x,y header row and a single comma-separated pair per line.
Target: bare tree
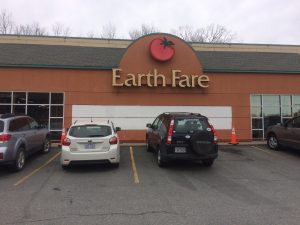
x,y
30,29
92,34
38,30
143,30
108,31
6,23
218,34
211,34
59,29
22,30
185,32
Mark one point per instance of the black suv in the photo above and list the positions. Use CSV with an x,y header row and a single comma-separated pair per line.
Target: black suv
x,y
184,136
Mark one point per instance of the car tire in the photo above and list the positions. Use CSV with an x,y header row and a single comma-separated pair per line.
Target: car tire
x,y
20,160
46,146
65,167
115,165
208,162
161,162
272,142
148,148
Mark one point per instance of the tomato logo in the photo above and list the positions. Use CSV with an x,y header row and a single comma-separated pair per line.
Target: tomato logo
x,y
162,49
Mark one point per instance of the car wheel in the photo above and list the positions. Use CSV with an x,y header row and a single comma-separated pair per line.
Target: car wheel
x,y
46,146
115,165
161,162
148,148
19,162
272,142
65,167
208,162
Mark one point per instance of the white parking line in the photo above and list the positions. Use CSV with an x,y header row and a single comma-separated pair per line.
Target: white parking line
x,y
258,148
272,153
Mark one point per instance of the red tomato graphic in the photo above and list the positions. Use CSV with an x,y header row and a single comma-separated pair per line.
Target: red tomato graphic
x,y
161,49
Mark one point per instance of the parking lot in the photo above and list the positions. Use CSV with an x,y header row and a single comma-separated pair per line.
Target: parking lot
x,y
246,185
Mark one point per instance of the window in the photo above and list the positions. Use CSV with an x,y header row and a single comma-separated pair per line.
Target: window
x,y
159,123
1,126
32,123
294,123
185,125
5,109
267,110
38,98
296,105
271,110
19,124
19,98
297,122
90,131
46,108
57,98
155,123
286,106
163,126
57,111
5,97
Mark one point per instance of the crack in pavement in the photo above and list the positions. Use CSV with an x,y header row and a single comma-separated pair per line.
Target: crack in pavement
x,y
94,214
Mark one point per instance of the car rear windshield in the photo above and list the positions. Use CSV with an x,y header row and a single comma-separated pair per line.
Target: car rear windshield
x,y
185,125
1,126
90,131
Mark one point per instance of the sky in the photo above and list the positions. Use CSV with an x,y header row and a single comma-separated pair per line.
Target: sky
x,y
253,21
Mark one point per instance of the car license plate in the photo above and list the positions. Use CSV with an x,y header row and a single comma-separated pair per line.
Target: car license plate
x,y
180,150
89,146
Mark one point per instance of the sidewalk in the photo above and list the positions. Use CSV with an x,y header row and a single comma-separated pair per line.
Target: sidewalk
x,y
221,143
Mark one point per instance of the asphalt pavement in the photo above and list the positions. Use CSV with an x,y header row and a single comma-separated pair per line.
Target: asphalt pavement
x,y
246,185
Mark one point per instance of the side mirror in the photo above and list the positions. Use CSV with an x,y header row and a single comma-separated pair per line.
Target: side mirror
x,y
118,129
149,125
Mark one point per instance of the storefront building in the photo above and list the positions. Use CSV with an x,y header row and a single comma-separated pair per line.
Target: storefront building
x,y
60,80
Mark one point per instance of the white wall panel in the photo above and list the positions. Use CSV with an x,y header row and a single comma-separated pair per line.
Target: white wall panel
x,y
136,117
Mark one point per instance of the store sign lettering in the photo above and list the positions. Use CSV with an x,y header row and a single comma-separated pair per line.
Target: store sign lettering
x,y
155,79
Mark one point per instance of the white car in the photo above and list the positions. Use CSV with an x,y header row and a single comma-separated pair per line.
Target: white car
x,y
89,142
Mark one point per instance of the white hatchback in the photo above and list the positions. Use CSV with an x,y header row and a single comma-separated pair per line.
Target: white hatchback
x,y
89,142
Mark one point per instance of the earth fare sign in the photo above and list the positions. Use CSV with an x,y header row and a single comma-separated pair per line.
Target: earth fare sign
x,y
162,52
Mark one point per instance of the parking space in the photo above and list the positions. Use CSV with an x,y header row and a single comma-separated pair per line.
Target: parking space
x,y
246,185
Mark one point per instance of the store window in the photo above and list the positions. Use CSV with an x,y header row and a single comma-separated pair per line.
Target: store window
x,y
46,108
268,110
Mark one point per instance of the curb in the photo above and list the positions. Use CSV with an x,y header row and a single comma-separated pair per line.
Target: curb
x,y
221,143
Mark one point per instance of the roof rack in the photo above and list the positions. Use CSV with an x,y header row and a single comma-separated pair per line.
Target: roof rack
x,y
183,113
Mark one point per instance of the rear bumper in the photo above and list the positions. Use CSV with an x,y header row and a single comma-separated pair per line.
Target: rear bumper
x,y
6,157
68,157
181,156
169,154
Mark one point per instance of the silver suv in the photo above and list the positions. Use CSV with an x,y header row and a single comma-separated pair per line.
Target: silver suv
x,y
21,136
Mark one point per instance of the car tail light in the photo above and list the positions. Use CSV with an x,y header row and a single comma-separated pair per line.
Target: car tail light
x,y
113,140
4,138
1,156
66,142
63,136
215,133
170,132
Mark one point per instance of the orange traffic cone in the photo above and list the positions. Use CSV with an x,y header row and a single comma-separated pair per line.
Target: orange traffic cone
x,y
233,137
63,136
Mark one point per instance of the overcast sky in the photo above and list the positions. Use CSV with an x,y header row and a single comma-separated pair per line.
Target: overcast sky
x,y
253,21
